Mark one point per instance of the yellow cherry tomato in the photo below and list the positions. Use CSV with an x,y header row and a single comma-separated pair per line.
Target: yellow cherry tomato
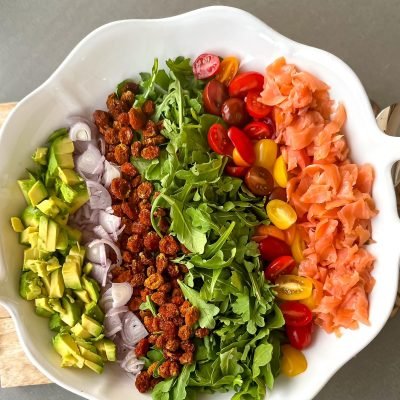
x,y
293,361
266,151
263,231
280,172
293,287
297,247
238,160
281,214
227,70
309,302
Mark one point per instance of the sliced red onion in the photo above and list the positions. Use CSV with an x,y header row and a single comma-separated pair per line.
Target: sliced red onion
x,y
108,243
117,310
109,222
100,272
133,330
96,252
106,301
112,325
99,196
80,131
118,232
111,171
131,364
102,144
101,232
121,293
90,162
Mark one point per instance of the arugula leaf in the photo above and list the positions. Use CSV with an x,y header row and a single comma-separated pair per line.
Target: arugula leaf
x,y
162,390
179,391
262,356
148,305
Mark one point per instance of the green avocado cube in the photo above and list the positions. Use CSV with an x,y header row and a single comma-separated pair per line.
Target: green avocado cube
x,y
31,216
107,349
91,356
94,367
78,251
72,312
92,287
83,295
69,176
52,235
87,345
30,286
68,193
24,237
79,331
65,345
56,284
91,325
73,233
26,185
63,145
81,198
37,193
40,156
94,311
48,207
72,275
17,224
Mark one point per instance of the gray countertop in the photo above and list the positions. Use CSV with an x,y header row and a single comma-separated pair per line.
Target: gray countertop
x,y
35,36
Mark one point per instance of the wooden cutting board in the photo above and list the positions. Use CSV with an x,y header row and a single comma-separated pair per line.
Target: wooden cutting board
x,y
15,368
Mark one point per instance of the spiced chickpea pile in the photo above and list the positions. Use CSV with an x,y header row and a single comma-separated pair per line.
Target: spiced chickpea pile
x,y
147,259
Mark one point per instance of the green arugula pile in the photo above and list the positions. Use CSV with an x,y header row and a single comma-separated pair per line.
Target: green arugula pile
x,y
213,216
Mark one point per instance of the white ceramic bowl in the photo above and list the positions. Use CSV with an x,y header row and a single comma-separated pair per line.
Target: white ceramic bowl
x,y
80,85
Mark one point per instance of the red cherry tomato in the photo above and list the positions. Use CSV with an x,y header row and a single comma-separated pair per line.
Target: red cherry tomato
x,y
254,107
295,313
258,130
277,194
242,143
205,66
214,95
300,336
281,265
272,248
244,82
237,172
218,140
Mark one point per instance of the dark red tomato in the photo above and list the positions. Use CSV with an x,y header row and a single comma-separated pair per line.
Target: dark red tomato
x,y
278,194
237,172
218,140
258,130
234,112
270,122
296,314
242,143
254,107
241,84
299,337
214,95
281,265
259,181
272,248
205,66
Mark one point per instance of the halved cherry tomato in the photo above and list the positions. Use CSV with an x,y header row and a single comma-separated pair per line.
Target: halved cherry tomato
x,y
259,181
254,107
278,194
242,143
234,112
266,152
262,231
316,297
299,336
272,248
298,247
235,171
258,130
290,235
293,361
280,172
238,160
241,84
271,125
205,66
293,287
281,214
281,265
214,95
218,140
227,70
295,313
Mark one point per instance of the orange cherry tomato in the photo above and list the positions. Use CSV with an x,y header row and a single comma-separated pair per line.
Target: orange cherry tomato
x,y
280,172
316,297
266,151
281,214
297,247
293,361
263,231
290,234
227,70
238,160
293,287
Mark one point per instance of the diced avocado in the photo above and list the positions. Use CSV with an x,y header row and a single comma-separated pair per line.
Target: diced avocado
x,y
94,367
25,234
52,235
17,224
91,325
83,295
30,254
69,176
64,207
94,311
62,240
65,160
68,361
46,284
91,356
87,345
56,305
30,286
79,251
37,266
74,259
53,264
43,226
87,269
64,345
37,193
31,216
72,275
92,287
48,207
80,199
68,194
26,185
56,134
79,331
33,239
56,284
72,312
107,349
40,155
63,145
62,219
73,233
42,307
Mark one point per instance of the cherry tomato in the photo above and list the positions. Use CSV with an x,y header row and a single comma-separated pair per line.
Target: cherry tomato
x,y
293,361
263,231
227,70
205,66
295,313
234,112
266,152
254,107
281,265
281,214
238,160
293,287
290,235
272,248
259,181
214,95
280,172
316,297
218,140
242,143
258,130
241,84
271,124
235,171
299,336
278,194
297,247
